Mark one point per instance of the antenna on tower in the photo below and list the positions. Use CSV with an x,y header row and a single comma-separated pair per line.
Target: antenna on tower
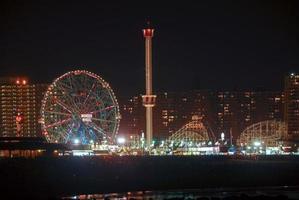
x,y
148,23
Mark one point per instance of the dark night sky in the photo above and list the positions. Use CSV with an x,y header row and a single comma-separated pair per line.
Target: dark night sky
x,y
206,45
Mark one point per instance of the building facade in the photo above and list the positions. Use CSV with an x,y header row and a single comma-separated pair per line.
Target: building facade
x,y
237,110
222,112
292,105
20,104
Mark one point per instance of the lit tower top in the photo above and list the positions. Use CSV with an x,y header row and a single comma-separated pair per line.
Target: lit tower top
x,y
148,99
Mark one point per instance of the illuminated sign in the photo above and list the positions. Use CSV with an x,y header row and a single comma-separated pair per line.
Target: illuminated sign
x,y
86,117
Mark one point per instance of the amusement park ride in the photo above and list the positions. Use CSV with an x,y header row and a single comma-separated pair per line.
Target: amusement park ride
x,y
80,107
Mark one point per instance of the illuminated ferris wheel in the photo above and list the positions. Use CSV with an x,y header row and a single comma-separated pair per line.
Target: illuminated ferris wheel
x,y
80,107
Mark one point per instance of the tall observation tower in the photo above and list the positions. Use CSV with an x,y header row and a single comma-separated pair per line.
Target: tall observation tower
x,y
148,99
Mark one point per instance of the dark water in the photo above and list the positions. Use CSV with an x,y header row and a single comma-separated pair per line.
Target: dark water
x,y
280,193
51,177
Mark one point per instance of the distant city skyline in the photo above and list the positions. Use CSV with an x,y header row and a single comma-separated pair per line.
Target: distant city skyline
x,y
229,112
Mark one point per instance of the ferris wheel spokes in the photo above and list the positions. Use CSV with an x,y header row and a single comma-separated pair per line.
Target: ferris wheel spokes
x,y
58,113
58,123
64,106
66,93
92,87
102,120
80,105
101,110
97,128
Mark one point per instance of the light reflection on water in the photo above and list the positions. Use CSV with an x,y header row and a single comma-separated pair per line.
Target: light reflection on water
x,y
287,192
139,195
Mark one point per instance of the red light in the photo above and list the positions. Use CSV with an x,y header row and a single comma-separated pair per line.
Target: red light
x,y
148,32
19,118
24,82
17,82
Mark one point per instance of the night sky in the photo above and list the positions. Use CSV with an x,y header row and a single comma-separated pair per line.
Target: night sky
x,y
219,45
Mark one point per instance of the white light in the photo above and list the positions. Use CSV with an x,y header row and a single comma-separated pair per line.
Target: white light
x,y
121,140
257,143
172,143
222,136
86,117
82,152
292,74
76,141
153,144
91,141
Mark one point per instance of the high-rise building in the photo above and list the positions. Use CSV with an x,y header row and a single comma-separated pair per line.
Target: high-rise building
x,y
172,112
175,109
237,110
292,105
132,112
222,112
20,104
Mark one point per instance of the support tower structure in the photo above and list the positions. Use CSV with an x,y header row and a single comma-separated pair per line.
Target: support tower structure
x,y
148,99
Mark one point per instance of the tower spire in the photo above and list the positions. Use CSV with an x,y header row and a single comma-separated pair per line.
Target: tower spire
x,y
148,99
